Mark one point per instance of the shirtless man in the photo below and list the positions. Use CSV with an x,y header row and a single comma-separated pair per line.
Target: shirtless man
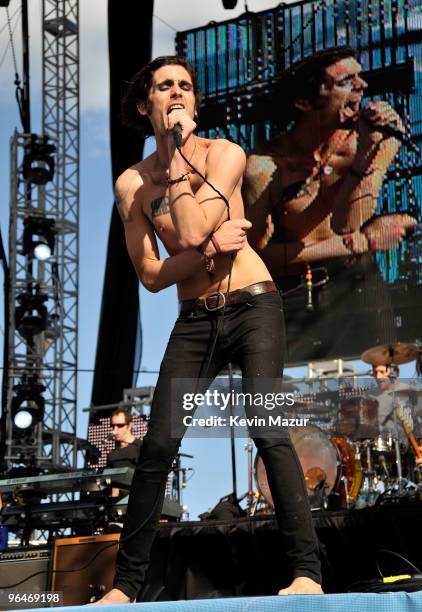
x,y
162,196
311,195
320,181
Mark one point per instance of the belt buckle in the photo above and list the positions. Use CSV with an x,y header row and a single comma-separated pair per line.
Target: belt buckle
x,y
218,307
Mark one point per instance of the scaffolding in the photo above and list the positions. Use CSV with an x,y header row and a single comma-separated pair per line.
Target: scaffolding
x,y
47,360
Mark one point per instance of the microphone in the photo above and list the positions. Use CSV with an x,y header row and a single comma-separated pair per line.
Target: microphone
x,y
391,130
177,135
184,481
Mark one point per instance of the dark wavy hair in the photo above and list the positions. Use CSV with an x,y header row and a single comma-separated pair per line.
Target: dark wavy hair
x,y
304,79
138,89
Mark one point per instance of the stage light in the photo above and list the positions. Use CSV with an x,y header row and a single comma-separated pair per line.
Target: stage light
x,y
229,4
39,237
38,163
27,404
31,316
23,419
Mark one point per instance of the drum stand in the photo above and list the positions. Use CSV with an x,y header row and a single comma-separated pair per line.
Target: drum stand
x,y
399,465
252,499
400,486
369,475
251,495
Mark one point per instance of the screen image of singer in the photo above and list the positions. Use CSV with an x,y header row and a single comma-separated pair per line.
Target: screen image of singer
x,y
326,98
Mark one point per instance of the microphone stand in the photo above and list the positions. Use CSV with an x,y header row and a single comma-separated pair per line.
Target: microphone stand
x,y
396,431
232,438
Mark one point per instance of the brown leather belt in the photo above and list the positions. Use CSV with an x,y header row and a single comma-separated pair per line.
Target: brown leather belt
x,y
217,300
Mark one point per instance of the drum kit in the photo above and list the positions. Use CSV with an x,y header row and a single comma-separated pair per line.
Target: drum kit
x,y
349,457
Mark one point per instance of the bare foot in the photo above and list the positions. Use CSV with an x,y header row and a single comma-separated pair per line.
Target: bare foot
x,y
302,585
115,596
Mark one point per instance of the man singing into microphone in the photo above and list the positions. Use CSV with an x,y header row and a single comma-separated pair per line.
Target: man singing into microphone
x,y
312,196
227,299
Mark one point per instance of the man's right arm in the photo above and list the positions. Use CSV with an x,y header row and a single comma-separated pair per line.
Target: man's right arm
x,y
154,273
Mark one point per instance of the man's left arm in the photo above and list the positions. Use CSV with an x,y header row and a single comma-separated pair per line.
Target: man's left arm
x,y
196,216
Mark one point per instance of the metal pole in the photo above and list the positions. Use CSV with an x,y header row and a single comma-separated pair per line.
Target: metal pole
x,y
232,441
26,105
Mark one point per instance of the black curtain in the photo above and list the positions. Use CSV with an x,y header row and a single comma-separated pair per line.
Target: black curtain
x,y
130,41
244,557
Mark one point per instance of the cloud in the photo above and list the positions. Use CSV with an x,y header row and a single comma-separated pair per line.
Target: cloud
x,y
94,86
93,53
94,69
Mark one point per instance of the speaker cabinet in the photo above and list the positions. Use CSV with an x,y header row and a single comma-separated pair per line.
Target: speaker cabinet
x,y
89,564
17,564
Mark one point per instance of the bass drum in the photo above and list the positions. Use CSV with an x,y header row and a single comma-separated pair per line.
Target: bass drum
x,y
329,468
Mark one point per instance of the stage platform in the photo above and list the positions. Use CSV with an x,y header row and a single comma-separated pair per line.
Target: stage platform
x,y
243,557
356,602
239,565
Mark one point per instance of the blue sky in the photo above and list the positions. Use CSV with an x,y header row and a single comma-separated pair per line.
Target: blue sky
x,y
212,478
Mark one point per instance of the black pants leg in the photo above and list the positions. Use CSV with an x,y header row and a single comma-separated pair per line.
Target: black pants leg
x,y
185,358
258,348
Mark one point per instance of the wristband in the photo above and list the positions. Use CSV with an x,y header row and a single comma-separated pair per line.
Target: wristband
x,y
209,261
183,177
369,158
209,264
215,243
348,243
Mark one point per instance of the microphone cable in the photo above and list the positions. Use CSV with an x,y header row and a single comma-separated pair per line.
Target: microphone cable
x,y
177,139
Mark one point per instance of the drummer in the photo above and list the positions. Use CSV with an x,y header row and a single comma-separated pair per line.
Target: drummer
x,y
387,379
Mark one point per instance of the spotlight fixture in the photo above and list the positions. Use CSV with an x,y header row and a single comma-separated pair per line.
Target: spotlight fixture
x,y
31,316
28,404
39,237
38,163
229,4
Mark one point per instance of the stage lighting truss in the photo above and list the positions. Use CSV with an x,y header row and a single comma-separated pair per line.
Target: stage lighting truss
x,y
27,405
38,160
39,237
31,316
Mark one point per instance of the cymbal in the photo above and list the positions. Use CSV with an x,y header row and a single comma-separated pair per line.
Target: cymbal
x,y
300,407
387,354
410,392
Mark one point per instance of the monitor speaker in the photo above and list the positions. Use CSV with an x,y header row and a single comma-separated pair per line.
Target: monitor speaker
x,y
17,564
83,567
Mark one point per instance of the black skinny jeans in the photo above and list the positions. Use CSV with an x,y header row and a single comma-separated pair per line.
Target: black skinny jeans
x,y
252,336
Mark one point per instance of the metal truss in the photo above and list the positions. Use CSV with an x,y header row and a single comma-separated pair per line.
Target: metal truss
x,y
50,357
61,122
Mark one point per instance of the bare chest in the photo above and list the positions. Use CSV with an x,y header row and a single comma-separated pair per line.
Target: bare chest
x,y
156,207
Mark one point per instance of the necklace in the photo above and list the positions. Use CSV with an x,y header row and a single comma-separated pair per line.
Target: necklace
x,y
323,166
159,181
